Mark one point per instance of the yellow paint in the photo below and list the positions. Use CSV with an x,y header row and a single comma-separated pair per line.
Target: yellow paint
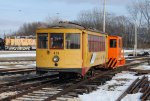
x,y
70,58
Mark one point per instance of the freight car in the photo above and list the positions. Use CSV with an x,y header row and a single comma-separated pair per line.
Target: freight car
x,y
20,43
70,48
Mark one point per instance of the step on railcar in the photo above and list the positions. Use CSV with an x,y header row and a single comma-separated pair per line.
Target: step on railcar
x,y
71,48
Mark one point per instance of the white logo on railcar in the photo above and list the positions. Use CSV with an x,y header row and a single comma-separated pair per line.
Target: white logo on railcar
x,y
93,58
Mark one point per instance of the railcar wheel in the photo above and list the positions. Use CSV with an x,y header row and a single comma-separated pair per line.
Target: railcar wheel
x,y
89,74
67,75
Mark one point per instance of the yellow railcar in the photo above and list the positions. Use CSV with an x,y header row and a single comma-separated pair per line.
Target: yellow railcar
x,y
70,48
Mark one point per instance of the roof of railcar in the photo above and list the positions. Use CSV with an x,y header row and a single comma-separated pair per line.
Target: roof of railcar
x,y
70,25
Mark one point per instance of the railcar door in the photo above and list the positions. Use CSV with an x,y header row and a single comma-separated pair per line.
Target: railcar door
x,y
73,47
42,51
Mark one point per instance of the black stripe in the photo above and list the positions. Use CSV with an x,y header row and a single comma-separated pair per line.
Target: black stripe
x,y
109,61
112,62
115,63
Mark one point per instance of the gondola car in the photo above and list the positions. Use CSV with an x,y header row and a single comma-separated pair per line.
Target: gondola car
x,y
71,48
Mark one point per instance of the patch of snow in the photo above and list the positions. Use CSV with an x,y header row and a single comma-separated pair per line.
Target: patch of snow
x,y
132,97
17,55
128,51
18,65
113,89
100,95
136,61
143,67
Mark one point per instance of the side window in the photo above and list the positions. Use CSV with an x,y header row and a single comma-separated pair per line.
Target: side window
x,y
113,43
72,41
43,40
96,43
57,40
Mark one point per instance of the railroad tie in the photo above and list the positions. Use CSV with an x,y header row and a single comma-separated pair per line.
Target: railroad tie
x,y
135,87
145,95
139,85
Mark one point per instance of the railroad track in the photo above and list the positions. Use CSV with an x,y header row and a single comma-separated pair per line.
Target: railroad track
x,y
63,90
28,79
26,84
131,59
8,71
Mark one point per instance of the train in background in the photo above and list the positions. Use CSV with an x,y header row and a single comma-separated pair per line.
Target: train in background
x,y
70,48
19,43
2,44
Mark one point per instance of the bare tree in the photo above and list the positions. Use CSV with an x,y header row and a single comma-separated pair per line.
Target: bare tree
x,y
140,15
115,25
28,28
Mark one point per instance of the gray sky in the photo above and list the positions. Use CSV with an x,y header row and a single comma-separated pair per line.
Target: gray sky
x,y
13,13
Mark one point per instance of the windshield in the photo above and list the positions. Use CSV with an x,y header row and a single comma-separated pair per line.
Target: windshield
x,y
72,41
113,43
42,40
56,40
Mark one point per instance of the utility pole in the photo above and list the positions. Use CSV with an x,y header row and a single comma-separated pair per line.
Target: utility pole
x,y
104,16
135,44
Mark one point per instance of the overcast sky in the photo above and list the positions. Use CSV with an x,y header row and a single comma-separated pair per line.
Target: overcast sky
x,y
13,13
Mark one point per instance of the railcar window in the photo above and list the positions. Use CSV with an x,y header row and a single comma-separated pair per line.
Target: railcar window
x,y
113,43
96,43
43,41
57,40
72,41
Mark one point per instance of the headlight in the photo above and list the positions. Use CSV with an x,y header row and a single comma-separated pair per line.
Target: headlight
x,y
55,58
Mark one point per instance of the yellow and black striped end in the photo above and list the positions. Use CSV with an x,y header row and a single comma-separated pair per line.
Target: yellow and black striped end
x,y
112,63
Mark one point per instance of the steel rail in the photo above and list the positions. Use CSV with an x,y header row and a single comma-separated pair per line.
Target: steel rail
x,y
73,86
121,68
27,80
28,91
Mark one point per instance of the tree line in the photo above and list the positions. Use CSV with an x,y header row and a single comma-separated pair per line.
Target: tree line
x,y
123,26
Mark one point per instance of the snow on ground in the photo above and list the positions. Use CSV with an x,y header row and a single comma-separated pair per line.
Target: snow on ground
x,y
17,54
28,64
138,50
127,52
114,88
143,67
132,97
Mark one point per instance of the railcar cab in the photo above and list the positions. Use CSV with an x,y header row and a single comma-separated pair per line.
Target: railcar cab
x,y
115,52
59,50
